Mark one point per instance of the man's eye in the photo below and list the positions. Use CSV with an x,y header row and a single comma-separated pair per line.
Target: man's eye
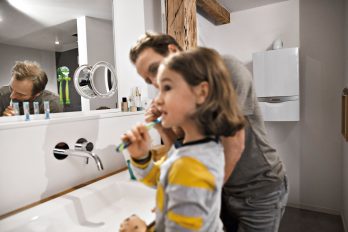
x,y
148,81
153,69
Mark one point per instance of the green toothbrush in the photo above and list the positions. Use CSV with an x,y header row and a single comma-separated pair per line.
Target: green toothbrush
x,y
148,126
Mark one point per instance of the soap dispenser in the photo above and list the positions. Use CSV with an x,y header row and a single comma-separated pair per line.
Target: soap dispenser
x,y
124,105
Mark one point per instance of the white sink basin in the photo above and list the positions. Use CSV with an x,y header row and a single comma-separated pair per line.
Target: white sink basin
x,y
101,206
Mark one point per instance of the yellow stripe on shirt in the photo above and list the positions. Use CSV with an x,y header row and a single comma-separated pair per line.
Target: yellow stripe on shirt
x,y
152,178
191,223
160,197
190,172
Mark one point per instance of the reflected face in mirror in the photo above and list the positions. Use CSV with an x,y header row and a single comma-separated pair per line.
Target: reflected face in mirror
x,y
22,90
147,65
35,41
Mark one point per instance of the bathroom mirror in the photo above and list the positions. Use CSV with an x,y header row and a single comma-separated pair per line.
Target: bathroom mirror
x,y
95,81
51,39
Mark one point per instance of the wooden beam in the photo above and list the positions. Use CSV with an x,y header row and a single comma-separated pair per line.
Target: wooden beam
x,y
182,22
213,11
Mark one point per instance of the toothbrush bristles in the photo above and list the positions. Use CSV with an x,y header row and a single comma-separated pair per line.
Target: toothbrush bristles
x,y
149,125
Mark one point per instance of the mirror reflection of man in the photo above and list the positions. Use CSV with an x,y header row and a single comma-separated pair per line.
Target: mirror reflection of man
x,y
27,83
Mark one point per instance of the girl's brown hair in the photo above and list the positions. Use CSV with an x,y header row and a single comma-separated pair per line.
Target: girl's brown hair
x,y
219,114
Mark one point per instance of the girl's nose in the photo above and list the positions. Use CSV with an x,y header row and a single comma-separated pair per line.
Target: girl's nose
x,y
158,99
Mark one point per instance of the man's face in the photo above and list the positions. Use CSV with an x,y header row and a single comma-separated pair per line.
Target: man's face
x,y
21,90
147,65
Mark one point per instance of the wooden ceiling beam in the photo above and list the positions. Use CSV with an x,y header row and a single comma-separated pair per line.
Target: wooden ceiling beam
x,y
213,11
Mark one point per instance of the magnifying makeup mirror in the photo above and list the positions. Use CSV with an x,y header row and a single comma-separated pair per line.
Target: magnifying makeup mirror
x,y
94,81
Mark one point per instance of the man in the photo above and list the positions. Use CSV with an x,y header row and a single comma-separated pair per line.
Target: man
x,y
255,195
27,83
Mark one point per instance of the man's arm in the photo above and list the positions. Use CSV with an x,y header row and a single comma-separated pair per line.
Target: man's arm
x,y
5,102
233,149
168,136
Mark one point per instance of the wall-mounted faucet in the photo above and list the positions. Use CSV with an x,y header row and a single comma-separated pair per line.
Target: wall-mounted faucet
x,y
83,149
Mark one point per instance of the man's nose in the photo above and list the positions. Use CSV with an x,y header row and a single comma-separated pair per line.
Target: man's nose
x,y
154,81
13,95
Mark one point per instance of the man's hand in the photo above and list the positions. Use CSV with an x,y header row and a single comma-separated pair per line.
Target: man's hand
x,y
168,135
9,111
233,149
152,113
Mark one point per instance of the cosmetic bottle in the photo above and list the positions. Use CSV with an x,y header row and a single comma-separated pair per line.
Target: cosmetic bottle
x,y
36,108
15,106
26,111
132,107
47,109
124,104
137,99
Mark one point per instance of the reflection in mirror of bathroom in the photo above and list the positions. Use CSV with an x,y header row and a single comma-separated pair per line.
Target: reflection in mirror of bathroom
x,y
105,85
53,42
95,81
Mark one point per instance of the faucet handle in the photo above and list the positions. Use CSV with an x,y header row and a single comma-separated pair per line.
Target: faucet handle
x,y
83,145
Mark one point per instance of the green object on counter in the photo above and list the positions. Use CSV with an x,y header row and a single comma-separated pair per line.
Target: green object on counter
x,y
67,98
132,176
61,101
62,73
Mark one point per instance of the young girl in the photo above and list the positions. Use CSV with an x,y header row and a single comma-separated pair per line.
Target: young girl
x,y
195,95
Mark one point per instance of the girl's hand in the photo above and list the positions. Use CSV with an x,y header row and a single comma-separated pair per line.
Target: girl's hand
x,y
140,141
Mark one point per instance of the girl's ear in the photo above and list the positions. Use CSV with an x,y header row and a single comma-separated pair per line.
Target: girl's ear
x,y
201,91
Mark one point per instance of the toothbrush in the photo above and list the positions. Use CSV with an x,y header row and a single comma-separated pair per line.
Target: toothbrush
x,y
148,126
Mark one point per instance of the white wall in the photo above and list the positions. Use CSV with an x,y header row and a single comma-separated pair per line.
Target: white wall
x,y
321,71
95,39
9,54
345,144
253,30
152,14
310,148
129,25
29,172
153,23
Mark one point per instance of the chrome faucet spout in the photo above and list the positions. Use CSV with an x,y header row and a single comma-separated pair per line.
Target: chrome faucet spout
x,y
97,161
82,154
